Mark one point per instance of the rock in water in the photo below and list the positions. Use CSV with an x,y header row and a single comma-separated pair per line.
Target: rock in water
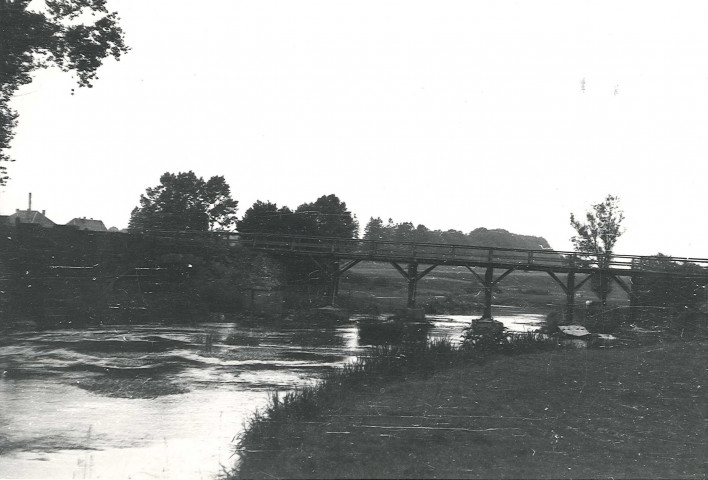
x,y
574,330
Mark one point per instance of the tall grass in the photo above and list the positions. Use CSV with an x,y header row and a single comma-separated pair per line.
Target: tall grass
x,y
269,427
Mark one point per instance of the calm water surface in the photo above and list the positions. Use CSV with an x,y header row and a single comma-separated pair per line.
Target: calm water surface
x,y
59,418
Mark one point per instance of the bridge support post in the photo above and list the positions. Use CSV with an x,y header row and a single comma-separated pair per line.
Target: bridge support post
x,y
412,283
334,270
488,283
412,276
569,287
334,282
488,290
633,297
570,297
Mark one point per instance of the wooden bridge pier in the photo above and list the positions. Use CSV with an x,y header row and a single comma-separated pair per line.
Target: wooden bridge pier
x,y
412,276
488,282
570,288
335,273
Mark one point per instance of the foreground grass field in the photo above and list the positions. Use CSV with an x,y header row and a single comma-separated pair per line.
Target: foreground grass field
x,y
626,412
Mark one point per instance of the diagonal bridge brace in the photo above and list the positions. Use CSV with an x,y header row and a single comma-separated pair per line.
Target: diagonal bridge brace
x,y
488,282
570,287
348,266
334,271
416,276
483,280
413,276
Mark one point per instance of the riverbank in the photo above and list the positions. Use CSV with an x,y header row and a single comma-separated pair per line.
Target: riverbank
x,y
637,410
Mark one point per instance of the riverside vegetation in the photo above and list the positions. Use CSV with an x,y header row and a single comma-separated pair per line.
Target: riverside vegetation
x,y
507,406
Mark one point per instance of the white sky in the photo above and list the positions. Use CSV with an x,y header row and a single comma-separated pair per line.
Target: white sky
x,y
454,114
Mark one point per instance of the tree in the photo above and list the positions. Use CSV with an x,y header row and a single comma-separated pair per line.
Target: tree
x,y
404,232
185,202
328,217
258,218
74,35
598,234
454,237
422,234
266,217
375,229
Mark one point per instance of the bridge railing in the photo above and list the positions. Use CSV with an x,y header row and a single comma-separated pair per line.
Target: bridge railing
x,y
386,250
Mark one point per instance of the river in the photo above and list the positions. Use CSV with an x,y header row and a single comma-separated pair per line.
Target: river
x,y
159,402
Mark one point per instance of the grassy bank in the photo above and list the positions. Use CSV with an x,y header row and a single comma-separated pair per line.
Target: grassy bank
x,y
609,412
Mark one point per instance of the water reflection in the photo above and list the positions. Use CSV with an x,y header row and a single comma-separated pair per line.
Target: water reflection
x,y
159,402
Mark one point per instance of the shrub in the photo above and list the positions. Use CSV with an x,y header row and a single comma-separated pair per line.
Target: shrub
x,y
483,335
553,319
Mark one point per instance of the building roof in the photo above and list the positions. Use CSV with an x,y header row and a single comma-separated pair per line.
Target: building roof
x,y
30,216
88,224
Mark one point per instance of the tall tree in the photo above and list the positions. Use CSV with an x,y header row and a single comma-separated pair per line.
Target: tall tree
x,y
74,35
598,234
328,216
186,202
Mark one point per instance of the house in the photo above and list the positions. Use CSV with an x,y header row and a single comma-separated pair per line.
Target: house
x,y
30,216
88,224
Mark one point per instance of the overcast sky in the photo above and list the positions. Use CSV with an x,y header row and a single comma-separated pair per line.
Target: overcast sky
x,y
453,114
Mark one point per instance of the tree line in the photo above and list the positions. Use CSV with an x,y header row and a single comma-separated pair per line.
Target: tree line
x,y
186,202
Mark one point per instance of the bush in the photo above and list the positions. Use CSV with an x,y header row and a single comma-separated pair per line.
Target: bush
x,y
553,319
483,335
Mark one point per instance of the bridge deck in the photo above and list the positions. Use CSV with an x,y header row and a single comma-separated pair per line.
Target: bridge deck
x,y
476,256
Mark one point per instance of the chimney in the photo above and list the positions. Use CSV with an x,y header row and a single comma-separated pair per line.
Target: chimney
x,y
30,202
17,210
44,212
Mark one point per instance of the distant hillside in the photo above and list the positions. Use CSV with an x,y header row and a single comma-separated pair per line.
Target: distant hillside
x,y
499,237
482,237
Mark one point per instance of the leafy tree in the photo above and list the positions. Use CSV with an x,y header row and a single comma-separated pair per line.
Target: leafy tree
x,y
258,218
74,35
328,217
598,234
422,234
403,232
454,237
266,217
186,202
375,229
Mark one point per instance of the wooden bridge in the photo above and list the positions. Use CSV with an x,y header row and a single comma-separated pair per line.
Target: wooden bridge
x,y
415,260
